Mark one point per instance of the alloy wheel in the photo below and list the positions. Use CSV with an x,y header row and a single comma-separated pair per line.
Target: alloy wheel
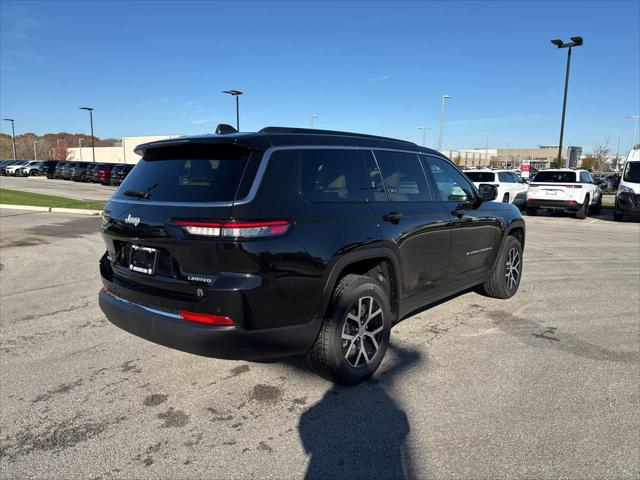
x,y
512,268
362,332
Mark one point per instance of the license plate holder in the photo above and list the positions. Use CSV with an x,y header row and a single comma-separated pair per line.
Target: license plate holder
x,y
143,259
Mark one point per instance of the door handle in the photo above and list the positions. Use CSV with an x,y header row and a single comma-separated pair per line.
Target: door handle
x,y
458,212
393,217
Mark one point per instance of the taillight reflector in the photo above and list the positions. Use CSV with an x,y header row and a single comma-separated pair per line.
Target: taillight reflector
x,y
234,229
206,318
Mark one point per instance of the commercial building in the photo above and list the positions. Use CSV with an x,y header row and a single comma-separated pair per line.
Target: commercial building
x,y
542,157
122,153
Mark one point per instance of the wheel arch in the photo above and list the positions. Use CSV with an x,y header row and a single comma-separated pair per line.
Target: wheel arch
x,y
370,262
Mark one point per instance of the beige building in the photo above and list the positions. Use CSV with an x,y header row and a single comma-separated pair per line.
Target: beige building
x,y
541,157
122,153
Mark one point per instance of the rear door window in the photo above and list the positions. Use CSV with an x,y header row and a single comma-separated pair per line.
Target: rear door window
x,y
404,179
189,173
333,175
505,177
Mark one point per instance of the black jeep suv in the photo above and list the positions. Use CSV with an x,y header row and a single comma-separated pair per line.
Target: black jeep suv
x,y
286,241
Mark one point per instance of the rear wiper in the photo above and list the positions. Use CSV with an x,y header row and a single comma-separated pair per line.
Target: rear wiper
x,y
137,193
140,193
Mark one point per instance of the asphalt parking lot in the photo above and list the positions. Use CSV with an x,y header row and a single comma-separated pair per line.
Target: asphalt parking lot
x,y
546,384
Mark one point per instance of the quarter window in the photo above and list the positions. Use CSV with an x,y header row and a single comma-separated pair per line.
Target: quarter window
x,y
333,175
451,183
403,176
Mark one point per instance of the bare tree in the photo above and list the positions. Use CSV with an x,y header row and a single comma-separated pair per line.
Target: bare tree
x,y
600,155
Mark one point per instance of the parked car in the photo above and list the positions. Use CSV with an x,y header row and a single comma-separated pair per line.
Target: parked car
x,y
564,189
287,241
13,167
48,168
60,168
3,165
102,173
119,173
511,187
30,169
628,195
79,172
67,170
90,169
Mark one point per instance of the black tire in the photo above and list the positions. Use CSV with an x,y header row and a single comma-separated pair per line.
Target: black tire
x,y
505,198
597,208
532,211
328,356
618,217
500,285
584,211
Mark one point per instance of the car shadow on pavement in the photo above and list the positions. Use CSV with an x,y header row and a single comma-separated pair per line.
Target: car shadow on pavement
x,y
360,431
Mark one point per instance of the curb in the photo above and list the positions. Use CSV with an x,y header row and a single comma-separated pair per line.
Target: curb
x,y
79,211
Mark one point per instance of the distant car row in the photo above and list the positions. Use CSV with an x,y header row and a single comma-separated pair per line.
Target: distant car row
x,y
104,173
575,191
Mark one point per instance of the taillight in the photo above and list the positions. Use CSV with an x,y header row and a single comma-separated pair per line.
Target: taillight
x,y
234,229
206,318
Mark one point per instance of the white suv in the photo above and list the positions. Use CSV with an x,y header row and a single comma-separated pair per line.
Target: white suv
x,y
511,187
564,189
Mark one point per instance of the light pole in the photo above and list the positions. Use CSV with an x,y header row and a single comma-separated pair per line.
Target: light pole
x,y
424,134
13,135
444,97
235,93
35,151
313,117
80,147
486,145
575,42
635,118
93,149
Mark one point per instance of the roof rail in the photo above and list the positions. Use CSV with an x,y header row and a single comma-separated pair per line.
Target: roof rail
x,y
314,131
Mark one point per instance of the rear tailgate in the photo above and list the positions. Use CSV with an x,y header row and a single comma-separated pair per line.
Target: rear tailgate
x,y
150,256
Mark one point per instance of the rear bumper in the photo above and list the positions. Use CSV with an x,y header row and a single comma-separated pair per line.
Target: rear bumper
x,y
554,204
236,343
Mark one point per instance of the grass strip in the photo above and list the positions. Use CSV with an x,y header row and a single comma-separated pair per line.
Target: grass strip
x,y
14,197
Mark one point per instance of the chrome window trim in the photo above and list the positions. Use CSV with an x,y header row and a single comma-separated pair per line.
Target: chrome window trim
x,y
148,309
257,181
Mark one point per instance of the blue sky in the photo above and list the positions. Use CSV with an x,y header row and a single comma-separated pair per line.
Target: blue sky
x,y
374,67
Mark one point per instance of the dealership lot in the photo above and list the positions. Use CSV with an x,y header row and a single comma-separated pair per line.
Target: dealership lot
x,y
62,188
544,384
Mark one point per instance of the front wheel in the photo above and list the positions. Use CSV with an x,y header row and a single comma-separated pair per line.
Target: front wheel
x,y
598,206
354,336
505,279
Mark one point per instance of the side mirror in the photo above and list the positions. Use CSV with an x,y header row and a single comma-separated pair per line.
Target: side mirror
x,y
488,192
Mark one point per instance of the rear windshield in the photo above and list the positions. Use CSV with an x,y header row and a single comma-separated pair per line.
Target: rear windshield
x,y
555,177
480,176
632,172
187,173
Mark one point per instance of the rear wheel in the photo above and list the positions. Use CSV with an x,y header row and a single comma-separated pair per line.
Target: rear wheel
x,y
617,217
354,336
505,279
533,211
584,211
